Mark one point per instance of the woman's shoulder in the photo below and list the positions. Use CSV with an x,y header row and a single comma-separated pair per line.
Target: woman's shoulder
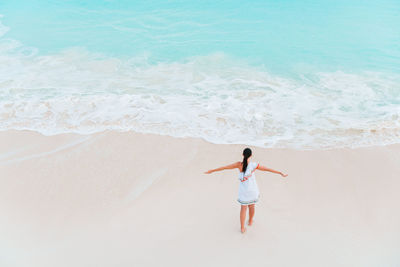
x,y
238,164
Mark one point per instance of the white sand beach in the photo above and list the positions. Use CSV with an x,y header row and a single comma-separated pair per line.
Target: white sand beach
x,y
126,199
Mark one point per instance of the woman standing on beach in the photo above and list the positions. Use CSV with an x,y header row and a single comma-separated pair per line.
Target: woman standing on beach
x,y
248,189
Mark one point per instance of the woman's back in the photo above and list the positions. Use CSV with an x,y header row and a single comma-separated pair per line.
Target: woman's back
x,y
248,188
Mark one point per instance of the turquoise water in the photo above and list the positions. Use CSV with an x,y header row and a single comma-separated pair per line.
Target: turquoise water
x,y
332,35
305,74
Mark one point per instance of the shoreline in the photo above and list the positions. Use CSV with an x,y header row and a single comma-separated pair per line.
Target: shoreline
x,y
123,198
34,132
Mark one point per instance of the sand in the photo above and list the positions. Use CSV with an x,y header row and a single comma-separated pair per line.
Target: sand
x,y
127,199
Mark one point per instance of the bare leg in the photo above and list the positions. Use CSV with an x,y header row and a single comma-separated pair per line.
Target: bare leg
x,y
243,211
252,210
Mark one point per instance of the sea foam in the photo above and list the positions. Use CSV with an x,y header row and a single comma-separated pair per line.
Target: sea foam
x,y
215,97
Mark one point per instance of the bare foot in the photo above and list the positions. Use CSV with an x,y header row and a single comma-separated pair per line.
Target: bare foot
x,y
250,223
243,230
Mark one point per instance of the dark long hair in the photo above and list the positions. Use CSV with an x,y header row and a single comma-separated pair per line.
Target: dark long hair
x,y
246,155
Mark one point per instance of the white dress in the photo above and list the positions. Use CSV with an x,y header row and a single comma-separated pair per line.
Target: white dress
x,y
248,189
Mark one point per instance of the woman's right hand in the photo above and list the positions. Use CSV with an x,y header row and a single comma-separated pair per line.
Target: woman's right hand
x,y
283,175
208,172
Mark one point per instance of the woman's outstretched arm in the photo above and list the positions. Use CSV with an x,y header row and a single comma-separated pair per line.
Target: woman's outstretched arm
x,y
227,167
263,168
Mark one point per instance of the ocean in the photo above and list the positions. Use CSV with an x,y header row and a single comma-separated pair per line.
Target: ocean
x,y
287,74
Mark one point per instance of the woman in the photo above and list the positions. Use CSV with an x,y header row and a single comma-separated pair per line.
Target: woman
x,y
248,189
